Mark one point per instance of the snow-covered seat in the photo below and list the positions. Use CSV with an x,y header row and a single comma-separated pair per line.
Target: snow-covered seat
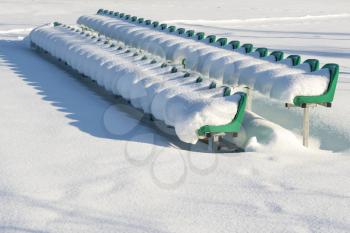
x,y
196,107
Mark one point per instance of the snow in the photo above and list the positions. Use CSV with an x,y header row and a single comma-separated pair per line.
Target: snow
x,y
68,166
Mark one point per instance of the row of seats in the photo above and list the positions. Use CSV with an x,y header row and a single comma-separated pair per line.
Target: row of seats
x,y
283,79
177,96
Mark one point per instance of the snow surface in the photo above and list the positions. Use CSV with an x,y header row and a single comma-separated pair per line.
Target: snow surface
x,y
68,166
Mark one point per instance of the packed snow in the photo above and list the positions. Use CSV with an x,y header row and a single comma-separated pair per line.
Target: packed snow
x,y
67,164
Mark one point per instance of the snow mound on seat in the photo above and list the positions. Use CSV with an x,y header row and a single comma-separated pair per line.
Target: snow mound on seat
x,y
189,114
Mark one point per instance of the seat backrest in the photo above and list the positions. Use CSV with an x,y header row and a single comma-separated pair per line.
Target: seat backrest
x,y
222,41
189,33
247,47
155,24
121,15
278,55
148,22
210,39
200,35
133,19
140,20
171,28
314,64
180,31
262,52
296,59
163,26
127,17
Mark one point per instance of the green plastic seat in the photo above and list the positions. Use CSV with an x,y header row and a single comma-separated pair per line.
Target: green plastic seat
x,y
55,24
111,12
296,59
211,38
148,22
262,52
212,85
127,17
190,33
234,44
314,64
133,19
227,91
200,35
140,20
155,24
247,47
222,41
278,55
328,96
171,29
163,26
116,14
105,12
100,11
199,79
121,15
233,127
180,31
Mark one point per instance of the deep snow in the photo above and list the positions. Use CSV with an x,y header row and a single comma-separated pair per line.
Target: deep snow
x,y
68,166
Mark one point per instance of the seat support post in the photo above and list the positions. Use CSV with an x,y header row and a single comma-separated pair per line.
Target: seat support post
x,y
306,126
213,143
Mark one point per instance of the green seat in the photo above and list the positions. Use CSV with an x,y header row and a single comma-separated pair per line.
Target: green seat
x,y
180,31
127,17
222,41
105,12
211,38
171,29
155,24
233,127
314,64
140,20
100,11
121,15
234,44
111,12
133,19
296,59
278,55
55,24
227,91
116,14
247,48
200,35
212,85
262,52
190,33
328,96
148,22
163,26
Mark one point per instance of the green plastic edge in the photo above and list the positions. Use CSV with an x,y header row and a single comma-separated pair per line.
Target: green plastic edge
x,y
233,127
235,44
248,47
328,96
211,38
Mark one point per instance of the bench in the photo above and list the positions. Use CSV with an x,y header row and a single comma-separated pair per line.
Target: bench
x,y
140,77
288,80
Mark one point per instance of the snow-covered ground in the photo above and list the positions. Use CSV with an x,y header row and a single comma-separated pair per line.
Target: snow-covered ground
x,y
75,159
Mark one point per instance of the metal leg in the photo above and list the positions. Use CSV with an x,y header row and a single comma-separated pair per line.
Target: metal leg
x,y
249,99
213,143
306,127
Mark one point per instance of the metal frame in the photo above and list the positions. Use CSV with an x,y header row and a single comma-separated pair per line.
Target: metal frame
x,y
306,118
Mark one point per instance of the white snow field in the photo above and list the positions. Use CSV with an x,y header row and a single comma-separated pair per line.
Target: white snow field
x,y
73,158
